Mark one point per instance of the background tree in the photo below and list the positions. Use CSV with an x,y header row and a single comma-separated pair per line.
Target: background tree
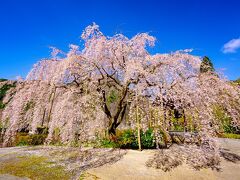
x,y
206,65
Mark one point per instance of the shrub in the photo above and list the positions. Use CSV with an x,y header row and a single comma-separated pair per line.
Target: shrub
x,y
107,143
42,130
2,105
37,139
225,120
127,139
56,140
147,139
24,139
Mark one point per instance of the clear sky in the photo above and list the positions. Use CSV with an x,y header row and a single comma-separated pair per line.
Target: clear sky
x,y
29,27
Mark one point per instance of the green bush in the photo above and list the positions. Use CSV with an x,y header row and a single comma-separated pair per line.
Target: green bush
x,y
37,139
24,139
147,139
225,120
2,105
107,143
128,139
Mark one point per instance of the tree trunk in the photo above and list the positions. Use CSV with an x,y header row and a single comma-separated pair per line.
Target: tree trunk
x,y
184,121
112,130
51,104
139,128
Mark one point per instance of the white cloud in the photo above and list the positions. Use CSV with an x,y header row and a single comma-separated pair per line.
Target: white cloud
x,y
231,46
184,50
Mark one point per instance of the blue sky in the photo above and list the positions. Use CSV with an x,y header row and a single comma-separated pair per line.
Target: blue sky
x,y
28,28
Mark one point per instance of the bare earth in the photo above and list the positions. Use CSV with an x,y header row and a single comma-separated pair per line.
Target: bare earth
x,y
132,165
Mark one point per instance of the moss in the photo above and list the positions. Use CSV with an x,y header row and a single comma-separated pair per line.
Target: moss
x,y
87,175
231,136
34,167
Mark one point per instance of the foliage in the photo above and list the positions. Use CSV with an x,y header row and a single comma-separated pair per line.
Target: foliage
x,y
112,97
3,91
33,167
178,123
237,81
147,139
56,140
107,143
24,139
224,119
2,79
206,65
128,139
42,130
2,105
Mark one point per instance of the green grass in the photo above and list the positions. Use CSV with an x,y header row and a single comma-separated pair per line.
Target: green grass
x,y
34,167
231,136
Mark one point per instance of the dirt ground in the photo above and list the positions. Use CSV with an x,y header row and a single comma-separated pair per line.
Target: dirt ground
x,y
131,165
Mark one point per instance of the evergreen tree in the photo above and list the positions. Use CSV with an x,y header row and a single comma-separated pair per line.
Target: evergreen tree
x,y
237,81
206,65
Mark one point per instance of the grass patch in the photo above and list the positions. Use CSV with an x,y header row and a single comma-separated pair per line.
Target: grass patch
x,y
87,175
231,136
34,167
